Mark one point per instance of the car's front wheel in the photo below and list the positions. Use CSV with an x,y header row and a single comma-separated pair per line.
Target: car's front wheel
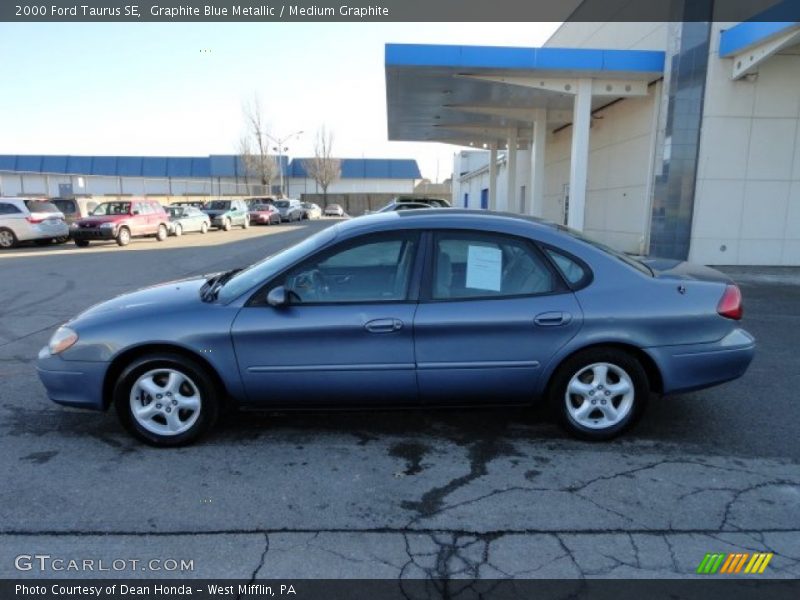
x,y
124,236
204,227
599,393
166,400
246,223
178,230
226,225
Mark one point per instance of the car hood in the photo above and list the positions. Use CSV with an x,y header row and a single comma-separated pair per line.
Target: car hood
x,y
155,299
668,268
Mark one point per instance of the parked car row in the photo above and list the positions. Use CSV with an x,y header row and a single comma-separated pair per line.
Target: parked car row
x,y
86,220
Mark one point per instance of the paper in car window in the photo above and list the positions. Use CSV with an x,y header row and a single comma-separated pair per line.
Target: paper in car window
x,y
484,268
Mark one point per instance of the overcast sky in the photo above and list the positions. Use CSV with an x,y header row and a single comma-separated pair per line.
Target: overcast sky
x,y
147,89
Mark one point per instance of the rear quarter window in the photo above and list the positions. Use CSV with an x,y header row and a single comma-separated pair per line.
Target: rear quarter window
x,y
573,271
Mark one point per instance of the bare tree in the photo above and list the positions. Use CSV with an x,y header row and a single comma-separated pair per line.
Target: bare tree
x,y
323,168
254,146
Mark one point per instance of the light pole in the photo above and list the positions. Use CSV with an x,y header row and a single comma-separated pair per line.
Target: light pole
x,y
280,148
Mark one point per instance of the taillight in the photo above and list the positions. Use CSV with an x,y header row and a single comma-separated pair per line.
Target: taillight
x,y
34,220
730,305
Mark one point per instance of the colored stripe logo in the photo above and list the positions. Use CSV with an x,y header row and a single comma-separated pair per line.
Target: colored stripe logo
x,y
734,563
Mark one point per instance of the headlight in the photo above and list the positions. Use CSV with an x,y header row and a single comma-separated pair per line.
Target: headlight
x,y
73,225
107,226
63,338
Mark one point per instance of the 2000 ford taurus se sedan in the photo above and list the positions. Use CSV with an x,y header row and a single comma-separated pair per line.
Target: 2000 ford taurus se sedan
x,y
431,307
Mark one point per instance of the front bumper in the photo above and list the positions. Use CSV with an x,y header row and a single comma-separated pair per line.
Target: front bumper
x,y
71,382
93,233
696,366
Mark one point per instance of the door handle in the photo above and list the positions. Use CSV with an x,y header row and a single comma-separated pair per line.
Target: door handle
x,y
552,319
383,325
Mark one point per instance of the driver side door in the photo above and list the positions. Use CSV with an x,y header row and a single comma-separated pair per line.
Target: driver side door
x,y
345,336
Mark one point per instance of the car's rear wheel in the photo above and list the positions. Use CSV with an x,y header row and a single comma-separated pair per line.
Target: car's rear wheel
x,y
62,240
124,236
204,227
162,232
246,223
81,243
599,393
166,400
7,238
178,230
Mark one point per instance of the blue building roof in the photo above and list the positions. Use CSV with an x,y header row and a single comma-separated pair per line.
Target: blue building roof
x,y
186,167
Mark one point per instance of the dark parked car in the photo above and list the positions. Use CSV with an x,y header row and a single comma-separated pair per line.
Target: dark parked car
x,y
413,308
225,214
75,208
121,221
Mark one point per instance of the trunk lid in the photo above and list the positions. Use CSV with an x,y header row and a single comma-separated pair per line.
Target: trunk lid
x,y
667,268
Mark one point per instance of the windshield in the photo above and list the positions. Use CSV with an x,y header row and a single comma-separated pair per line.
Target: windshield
x,y
628,260
218,205
112,208
262,271
282,203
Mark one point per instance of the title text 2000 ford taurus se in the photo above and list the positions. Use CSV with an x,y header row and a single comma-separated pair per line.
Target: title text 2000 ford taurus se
x,y
433,307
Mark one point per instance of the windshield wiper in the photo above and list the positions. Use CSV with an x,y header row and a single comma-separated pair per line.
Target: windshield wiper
x,y
213,285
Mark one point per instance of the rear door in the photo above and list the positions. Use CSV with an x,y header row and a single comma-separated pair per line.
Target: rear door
x,y
492,314
12,218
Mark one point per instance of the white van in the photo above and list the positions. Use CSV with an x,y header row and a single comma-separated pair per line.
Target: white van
x,y
24,219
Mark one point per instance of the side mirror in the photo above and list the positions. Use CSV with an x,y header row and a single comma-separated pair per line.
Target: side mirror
x,y
278,297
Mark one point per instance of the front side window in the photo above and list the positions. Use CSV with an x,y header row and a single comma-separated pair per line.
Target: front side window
x,y
375,269
478,265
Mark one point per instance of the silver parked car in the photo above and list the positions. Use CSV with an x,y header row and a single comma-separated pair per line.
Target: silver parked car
x,y
312,211
334,210
31,219
290,210
185,219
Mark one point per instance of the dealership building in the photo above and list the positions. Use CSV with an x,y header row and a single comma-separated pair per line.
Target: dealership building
x,y
216,175
671,139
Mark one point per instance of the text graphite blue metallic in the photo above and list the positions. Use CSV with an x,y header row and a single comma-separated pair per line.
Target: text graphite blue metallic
x,y
427,307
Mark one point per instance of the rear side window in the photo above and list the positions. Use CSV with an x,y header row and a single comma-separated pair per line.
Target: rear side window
x,y
66,206
570,268
8,209
38,206
479,265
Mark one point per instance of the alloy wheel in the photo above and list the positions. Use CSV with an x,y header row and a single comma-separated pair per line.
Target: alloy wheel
x,y
165,402
599,396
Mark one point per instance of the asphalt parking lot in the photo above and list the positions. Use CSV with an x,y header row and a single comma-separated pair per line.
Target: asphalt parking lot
x,y
388,494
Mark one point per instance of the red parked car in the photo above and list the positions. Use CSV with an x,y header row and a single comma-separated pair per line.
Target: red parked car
x,y
120,221
264,214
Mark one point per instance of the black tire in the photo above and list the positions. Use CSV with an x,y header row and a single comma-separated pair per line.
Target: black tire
x,y
123,236
204,228
246,223
620,362
178,230
162,233
226,225
81,243
209,398
62,240
7,238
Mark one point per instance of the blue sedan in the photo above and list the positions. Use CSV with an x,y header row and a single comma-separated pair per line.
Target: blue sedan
x,y
430,307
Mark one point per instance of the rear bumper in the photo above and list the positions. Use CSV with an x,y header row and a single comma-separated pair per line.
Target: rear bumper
x,y
72,383
697,366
